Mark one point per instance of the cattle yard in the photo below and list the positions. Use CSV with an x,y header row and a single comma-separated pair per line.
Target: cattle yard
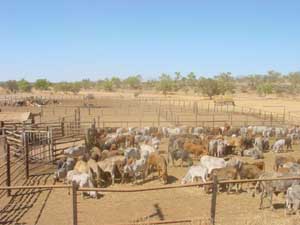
x,y
29,150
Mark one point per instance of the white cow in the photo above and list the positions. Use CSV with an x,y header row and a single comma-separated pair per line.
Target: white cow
x,y
211,162
195,172
155,142
278,145
83,180
74,151
136,168
146,150
109,165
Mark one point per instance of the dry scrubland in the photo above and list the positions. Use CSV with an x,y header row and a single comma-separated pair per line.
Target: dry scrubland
x,y
54,206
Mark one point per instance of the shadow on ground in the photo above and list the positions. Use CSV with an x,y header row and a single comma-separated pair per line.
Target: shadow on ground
x,y
21,201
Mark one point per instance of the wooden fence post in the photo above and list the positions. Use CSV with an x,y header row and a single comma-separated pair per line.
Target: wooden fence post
x,y
158,117
78,120
26,155
8,180
62,125
214,200
74,203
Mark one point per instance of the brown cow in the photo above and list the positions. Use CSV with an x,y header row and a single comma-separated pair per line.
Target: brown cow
x,y
160,164
280,160
259,164
107,154
130,141
227,173
197,150
250,171
283,170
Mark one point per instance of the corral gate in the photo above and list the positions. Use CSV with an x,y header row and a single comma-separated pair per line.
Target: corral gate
x,y
24,153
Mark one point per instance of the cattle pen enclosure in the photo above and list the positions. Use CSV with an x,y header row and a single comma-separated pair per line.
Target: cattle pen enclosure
x,y
26,180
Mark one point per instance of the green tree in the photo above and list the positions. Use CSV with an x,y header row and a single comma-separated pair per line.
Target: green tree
x,y
165,83
178,81
24,85
191,80
265,89
254,80
107,85
42,84
11,85
294,79
116,82
273,76
225,83
86,84
133,82
208,86
74,87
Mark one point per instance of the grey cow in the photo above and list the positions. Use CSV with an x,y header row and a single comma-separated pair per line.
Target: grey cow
x,y
268,188
180,154
63,166
292,199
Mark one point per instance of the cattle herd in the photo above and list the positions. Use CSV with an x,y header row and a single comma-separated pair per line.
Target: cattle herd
x,y
131,155
29,101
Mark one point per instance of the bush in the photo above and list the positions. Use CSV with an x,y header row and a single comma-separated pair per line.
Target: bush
x,y
42,84
24,85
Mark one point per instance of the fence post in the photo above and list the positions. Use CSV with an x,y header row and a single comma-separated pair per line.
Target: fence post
x,y
74,203
26,155
7,146
158,117
214,200
62,125
78,120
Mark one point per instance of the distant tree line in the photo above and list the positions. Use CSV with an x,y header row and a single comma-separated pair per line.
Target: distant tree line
x,y
223,83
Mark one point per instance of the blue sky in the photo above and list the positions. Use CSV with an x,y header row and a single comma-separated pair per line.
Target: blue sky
x,y
73,40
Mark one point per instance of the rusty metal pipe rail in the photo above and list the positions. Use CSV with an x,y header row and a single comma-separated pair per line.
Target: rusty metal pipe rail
x,y
35,187
146,189
160,222
186,185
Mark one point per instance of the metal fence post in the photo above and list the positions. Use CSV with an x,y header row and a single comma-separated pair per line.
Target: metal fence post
x,y
214,200
74,203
